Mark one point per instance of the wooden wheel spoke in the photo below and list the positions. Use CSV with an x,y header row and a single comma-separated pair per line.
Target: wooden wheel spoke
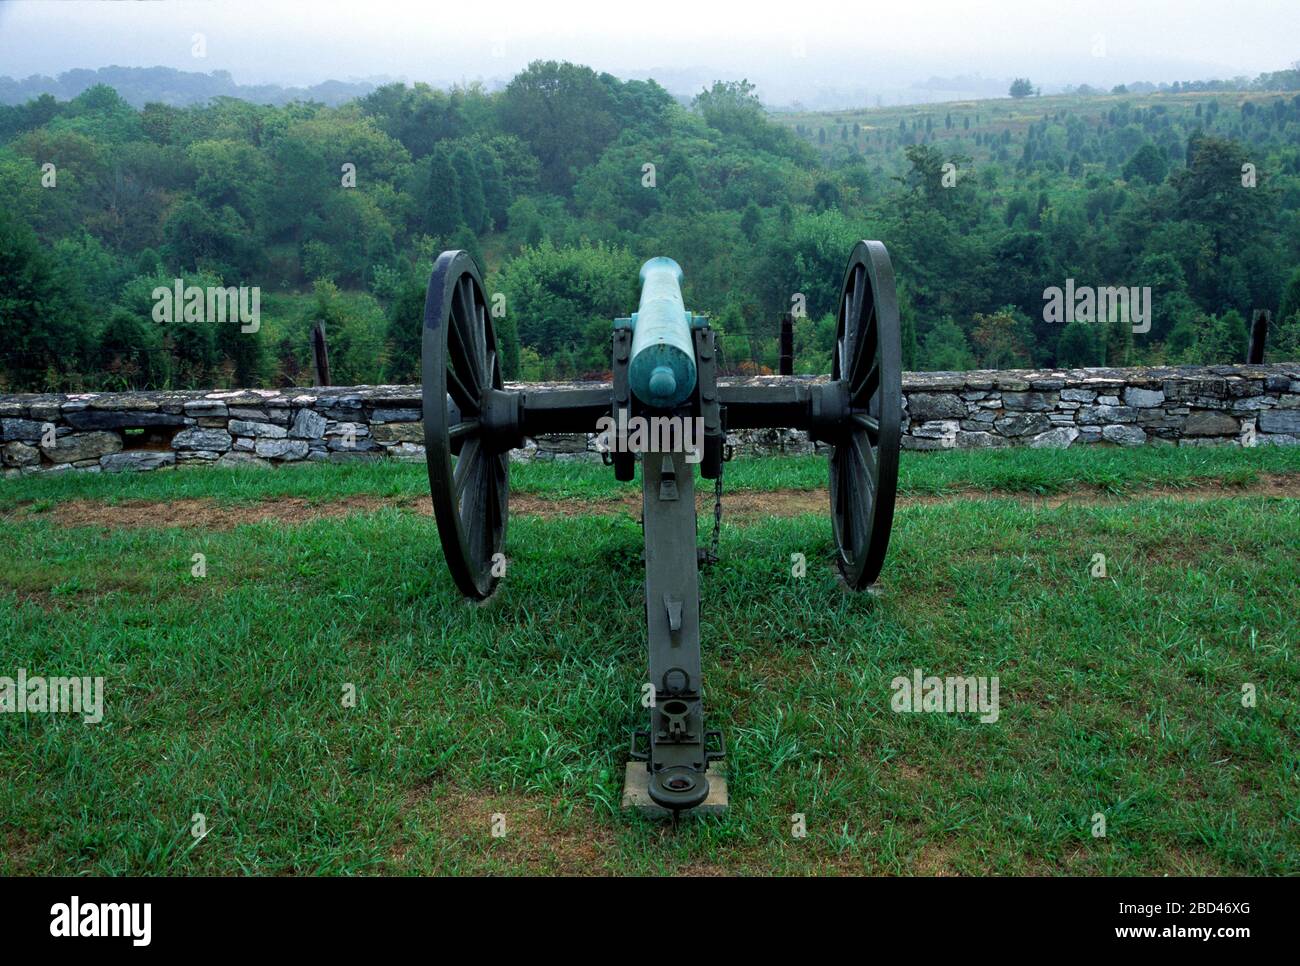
x,y
463,428
489,336
460,357
500,489
465,402
468,323
843,498
864,460
864,349
474,322
868,424
865,387
480,328
491,508
471,504
859,284
464,470
862,487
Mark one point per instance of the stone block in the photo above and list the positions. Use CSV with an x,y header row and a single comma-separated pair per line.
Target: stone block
x,y
82,446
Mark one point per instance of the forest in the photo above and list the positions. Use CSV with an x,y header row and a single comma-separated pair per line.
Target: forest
x,y
565,180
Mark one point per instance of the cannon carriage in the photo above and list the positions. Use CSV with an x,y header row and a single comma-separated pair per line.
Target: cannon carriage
x,y
664,361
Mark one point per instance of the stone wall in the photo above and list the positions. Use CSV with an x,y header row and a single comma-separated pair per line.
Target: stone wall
x,y
1185,406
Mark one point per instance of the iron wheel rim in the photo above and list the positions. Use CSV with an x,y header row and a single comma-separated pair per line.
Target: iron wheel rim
x,y
469,480
864,455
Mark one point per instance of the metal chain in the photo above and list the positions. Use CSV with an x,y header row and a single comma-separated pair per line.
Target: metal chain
x,y
713,556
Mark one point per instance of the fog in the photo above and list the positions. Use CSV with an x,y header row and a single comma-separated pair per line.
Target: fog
x,y
821,53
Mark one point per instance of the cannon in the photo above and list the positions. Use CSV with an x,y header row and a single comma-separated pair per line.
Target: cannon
x,y
664,362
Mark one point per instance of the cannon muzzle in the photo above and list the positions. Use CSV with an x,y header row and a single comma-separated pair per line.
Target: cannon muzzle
x,y
662,368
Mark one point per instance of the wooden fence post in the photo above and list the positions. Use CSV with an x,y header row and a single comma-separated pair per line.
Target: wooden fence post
x,y
320,358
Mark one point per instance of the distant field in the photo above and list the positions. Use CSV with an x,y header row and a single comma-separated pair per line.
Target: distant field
x,y
1120,696
992,116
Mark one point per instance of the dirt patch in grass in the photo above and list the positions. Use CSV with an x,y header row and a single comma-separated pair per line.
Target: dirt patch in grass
x,y
200,513
548,509
54,592
745,505
43,599
17,847
1267,485
935,859
537,839
540,839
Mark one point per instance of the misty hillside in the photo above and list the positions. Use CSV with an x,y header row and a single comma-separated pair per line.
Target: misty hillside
x,y
139,86
564,180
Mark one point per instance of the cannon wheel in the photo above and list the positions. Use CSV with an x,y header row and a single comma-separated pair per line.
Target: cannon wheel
x,y
864,457
460,365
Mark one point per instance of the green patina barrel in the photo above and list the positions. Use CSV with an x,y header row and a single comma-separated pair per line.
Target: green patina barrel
x,y
662,369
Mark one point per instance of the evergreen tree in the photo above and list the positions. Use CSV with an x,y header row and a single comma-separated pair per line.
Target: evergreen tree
x,y
442,209
473,203
42,328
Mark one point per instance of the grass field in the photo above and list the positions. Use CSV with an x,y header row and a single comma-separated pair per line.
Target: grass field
x,y
1119,696
993,116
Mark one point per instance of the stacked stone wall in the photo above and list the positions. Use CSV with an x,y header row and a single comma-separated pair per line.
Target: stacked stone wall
x,y
1175,406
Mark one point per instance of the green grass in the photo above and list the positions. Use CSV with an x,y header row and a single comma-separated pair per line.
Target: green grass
x,y
1118,695
1029,471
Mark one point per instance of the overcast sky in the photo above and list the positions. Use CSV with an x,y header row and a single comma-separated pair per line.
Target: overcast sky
x,y
788,47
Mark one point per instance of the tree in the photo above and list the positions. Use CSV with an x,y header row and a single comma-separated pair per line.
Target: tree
x,y
1290,304
190,356
1148,164
473,203
566,114
1222,339
306,169
42,328
197,239
356,326
554,294
1021,87
128,351
945,349
808,260
1284,341
442,211
925,180
229,172
1077,346
1210,192
419,117
733,108
752,219
405,328
1002,340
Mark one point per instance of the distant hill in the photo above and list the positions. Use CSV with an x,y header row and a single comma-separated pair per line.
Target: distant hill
x,y
994,130
178,88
